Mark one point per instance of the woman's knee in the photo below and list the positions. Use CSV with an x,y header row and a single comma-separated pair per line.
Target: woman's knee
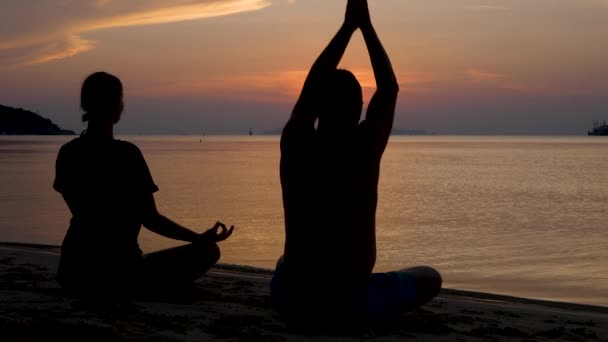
x,y
208,251
214,253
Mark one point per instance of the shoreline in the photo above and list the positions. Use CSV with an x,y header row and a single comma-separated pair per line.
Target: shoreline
x,y
232,302
252,271
452,292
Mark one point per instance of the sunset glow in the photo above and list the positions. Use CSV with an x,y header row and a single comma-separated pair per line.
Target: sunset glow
x,y
481,66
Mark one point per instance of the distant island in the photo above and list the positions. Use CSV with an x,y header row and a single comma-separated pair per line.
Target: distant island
x,y
400,131
17,121
396,131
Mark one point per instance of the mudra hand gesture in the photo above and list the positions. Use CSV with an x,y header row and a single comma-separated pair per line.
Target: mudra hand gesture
x,y
214,234
357,14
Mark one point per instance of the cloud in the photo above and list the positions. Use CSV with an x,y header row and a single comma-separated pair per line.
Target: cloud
x,y
602,3
38,31
493,79
524,5
487,8
61,47
269,87
479,75
533,87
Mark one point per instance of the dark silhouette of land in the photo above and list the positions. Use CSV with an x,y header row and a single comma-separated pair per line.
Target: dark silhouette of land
x,y
403,131
329,178
394,131
17,121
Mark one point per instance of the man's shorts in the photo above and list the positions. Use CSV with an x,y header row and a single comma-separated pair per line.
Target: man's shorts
x,y
388,295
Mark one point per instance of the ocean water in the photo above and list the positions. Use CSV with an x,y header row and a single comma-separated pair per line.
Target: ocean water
x,y
525,216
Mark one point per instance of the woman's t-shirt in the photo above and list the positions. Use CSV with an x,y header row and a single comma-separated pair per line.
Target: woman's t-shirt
x,y
106,182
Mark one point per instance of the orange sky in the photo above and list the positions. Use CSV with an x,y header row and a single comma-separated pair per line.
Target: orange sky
x,y
221,66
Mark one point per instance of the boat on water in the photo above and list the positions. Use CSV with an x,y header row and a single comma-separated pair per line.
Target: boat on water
x,y
601,130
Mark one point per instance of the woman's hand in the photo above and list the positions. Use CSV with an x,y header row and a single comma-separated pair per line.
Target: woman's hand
x,y
215,235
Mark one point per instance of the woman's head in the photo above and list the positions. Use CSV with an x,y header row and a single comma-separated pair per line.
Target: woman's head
x,y
101,98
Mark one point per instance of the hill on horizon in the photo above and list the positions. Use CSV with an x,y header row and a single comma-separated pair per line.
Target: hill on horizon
x,y
18,121
395,131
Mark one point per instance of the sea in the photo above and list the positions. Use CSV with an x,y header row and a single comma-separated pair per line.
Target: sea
x,y
517,215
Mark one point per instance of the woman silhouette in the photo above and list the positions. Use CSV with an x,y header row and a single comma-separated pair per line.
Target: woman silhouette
x,y
109,191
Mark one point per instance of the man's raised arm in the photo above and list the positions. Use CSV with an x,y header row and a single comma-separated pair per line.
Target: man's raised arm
x,y
327,61
381,110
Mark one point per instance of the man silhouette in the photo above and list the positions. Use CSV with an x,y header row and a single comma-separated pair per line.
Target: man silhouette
x,y
329,177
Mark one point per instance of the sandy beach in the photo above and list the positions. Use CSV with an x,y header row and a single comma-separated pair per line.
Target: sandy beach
x,y
231,303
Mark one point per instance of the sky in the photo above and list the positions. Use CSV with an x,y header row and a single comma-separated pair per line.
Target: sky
x,y
224,66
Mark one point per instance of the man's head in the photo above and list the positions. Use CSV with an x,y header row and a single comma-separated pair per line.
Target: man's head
x,y
340,102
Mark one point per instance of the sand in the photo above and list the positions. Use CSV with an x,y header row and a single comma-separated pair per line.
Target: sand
x,y
231,303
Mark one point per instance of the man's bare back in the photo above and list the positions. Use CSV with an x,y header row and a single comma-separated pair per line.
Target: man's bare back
x,y
329,177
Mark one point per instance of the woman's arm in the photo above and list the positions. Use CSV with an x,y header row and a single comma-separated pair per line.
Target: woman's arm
x,y
161,225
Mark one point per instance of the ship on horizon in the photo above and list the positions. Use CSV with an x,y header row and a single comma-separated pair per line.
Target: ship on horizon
x,y
599,130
